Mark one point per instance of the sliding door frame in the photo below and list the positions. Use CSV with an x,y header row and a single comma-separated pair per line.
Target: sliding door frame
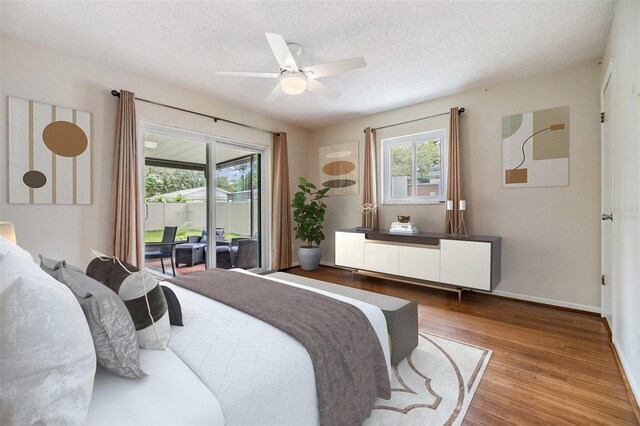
x,y
212,140
264,199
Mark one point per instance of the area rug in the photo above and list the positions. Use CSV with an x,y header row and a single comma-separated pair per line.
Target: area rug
x,y
434,385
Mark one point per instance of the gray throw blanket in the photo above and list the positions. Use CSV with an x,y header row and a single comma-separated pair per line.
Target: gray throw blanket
x,y
348,361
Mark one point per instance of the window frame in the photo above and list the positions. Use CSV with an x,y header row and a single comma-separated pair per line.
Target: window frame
x,y
413,139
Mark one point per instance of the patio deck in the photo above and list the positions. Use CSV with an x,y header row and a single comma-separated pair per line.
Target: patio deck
x,y
182,270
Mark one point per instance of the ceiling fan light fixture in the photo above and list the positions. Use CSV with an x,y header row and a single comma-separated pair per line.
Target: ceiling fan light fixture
x,y
293,85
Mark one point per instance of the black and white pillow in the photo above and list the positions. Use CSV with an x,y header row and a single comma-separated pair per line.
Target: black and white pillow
x,y
114,335
143,297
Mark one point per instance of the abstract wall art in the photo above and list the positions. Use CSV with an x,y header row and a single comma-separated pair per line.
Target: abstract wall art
x,y
339,168
49,153
535,148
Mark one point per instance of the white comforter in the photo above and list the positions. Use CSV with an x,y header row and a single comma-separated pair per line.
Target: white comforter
x,y
171,395
260,374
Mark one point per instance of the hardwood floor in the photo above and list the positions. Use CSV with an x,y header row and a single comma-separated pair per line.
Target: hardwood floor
x,y
549,366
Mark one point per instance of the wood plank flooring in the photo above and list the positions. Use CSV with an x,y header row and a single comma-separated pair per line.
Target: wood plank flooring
x,y
549,366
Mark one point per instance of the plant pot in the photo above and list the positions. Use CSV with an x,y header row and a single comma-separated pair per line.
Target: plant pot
x,y
309,257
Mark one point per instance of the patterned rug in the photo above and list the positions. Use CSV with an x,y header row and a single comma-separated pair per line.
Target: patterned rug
x,y
434,385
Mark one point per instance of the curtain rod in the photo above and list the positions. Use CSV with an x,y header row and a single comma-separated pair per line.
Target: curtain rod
x,y
215,119
460,111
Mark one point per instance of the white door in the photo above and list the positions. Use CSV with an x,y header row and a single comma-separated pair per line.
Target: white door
x,y
607,218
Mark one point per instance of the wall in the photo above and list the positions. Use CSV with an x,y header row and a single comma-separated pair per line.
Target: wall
x,y
35,72
623,47
551,236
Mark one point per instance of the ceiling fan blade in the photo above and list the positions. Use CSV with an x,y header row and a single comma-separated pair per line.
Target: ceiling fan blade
x,y
281,52
317,87
337,67
275,93
249,74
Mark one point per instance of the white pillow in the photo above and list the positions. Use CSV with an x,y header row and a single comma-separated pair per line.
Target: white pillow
x,y
47,359
7,246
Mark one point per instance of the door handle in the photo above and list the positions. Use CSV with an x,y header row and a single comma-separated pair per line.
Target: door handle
x,y
607,217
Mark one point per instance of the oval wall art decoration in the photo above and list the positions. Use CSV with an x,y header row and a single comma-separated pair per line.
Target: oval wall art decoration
x,y
49,153
339,168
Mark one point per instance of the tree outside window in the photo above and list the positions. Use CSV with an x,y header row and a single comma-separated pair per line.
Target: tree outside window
x,y
413,169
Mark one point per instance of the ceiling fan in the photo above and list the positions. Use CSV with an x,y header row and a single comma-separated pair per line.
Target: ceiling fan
x,y
295,80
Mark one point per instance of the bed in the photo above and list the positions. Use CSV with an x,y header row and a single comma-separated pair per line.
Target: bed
x,y
223,366
257,373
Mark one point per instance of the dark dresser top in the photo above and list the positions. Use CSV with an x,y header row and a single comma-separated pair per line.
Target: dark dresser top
x,y
430,238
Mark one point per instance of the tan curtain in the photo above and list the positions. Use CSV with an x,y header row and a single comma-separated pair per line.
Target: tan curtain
x,y
454,177
369,192
126,192
281,204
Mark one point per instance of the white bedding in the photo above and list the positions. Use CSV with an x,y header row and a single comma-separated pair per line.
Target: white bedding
x,y
171,395
260,374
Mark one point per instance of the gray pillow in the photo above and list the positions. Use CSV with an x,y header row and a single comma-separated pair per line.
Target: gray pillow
x,y
112,329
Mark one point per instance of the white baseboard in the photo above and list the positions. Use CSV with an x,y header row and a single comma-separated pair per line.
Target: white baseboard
x,y
627,370
553,302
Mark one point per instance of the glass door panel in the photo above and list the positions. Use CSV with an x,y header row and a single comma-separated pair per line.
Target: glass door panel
x,y
175,203
238,207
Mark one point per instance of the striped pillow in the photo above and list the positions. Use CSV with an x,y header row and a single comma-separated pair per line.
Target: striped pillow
x,y
143,297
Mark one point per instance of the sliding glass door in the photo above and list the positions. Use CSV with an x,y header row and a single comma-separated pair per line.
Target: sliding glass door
x,y
203,202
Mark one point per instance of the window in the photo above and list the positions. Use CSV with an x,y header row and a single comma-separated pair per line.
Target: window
x,y
414,170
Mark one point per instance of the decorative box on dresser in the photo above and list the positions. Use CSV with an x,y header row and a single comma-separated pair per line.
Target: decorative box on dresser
x,y
453,262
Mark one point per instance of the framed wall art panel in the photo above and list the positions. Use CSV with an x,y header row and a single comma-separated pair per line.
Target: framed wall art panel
x,y
49,153
339,168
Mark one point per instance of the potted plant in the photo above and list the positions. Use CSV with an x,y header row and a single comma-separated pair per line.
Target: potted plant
x,y
308,213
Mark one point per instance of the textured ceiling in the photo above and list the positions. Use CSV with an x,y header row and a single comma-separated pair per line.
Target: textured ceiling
x,y
415,51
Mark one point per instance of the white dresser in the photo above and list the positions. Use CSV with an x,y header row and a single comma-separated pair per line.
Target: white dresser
x,y
463,262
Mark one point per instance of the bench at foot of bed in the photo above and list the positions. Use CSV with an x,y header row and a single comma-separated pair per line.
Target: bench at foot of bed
x,y
401,314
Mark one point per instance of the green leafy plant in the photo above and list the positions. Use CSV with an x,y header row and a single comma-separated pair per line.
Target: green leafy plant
x,y
161,180
179,198
308,212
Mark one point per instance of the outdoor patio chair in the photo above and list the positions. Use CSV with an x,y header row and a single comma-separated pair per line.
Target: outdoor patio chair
x,y
234,241
164,249
245,254
223,257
